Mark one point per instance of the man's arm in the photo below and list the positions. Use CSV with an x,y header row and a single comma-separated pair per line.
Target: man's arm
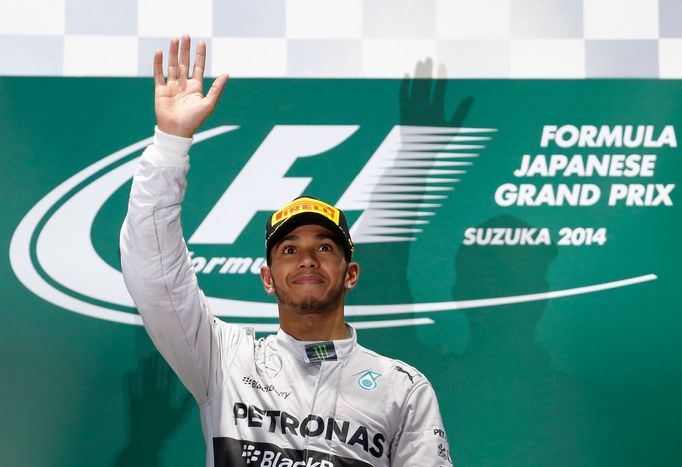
x,y
156,266
421,440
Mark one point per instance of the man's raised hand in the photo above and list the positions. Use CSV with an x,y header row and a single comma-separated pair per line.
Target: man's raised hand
x,y
179,101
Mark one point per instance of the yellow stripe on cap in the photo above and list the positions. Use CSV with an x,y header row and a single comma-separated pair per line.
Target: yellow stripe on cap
x,y
303,205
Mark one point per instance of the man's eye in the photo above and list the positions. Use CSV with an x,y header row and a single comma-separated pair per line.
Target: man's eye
x,y
288,250
325,247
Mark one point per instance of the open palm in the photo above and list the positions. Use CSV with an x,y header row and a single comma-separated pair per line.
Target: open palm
x,y
179,102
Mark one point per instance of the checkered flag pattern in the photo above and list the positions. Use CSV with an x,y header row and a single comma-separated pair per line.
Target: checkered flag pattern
x,y
349,38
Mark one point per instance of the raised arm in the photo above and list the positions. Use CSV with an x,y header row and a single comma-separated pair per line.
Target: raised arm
x,y
155,262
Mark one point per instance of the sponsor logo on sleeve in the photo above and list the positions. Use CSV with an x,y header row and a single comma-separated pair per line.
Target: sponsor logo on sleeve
x,y
444,452
443,448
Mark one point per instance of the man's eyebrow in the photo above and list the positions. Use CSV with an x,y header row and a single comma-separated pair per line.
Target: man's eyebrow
x,y
327,236
288,237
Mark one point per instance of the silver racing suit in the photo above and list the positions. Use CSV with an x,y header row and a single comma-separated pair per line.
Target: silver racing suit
x,y
273,401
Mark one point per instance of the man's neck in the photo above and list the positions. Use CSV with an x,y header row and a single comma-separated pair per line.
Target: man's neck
x,y
313,326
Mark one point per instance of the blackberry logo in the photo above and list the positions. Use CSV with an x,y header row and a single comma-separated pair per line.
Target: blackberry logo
x,y
250,453
230,452
255,384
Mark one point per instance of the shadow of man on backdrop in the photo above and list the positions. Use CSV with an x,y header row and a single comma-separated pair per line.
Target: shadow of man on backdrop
x,y
156,406
512,408
421,104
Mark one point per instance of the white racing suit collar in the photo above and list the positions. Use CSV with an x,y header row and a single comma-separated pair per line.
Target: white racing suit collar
x,y
318,351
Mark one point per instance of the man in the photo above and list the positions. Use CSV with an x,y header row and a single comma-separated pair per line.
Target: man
x,y
308,396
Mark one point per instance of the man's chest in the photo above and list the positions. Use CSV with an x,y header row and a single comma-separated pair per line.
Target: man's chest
x,y
326,410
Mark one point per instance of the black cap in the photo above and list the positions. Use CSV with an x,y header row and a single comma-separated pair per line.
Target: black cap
x,y
303,211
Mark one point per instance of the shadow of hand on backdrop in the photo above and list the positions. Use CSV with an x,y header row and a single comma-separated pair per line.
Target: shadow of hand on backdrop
x,y
154,411
422,99
407,192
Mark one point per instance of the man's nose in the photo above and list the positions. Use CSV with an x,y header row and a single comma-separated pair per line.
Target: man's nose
x,y
309,258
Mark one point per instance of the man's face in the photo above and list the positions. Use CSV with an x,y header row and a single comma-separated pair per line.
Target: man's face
x,y
308,271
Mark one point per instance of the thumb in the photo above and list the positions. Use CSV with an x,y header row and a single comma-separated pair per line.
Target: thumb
x,y
216,90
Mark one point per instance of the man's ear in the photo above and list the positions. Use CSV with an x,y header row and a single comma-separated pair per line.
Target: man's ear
x,y
266,278
352,275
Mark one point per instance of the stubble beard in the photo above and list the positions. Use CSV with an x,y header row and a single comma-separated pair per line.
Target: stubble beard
x,y
312,305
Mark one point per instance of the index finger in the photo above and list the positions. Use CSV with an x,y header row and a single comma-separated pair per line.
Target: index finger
x,y
158,68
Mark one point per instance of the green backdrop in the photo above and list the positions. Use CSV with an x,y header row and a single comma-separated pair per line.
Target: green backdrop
x,y
589,377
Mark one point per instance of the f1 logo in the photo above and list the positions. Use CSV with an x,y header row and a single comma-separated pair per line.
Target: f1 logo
x,y
405,179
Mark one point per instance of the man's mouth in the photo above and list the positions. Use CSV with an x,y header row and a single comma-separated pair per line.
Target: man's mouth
x,y
308,279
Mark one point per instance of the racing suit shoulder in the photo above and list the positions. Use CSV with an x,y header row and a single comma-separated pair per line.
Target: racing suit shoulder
x,y
419,438
158,272
402,375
